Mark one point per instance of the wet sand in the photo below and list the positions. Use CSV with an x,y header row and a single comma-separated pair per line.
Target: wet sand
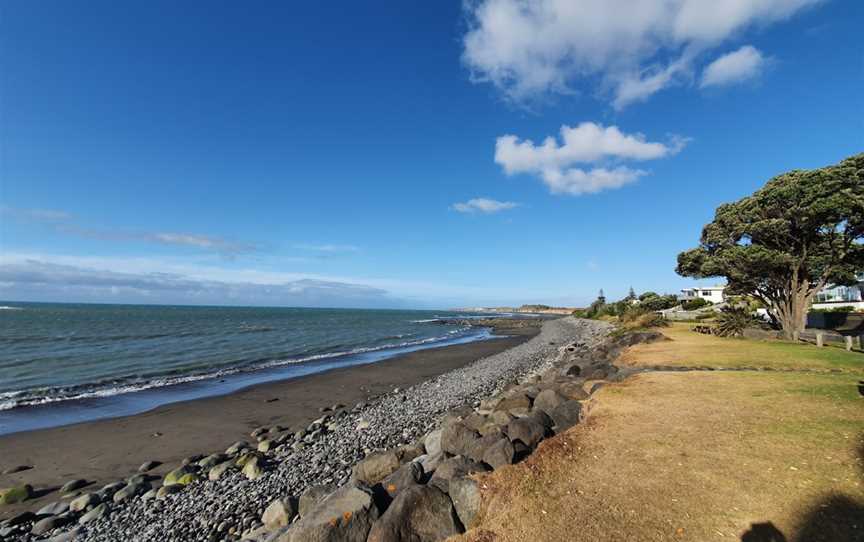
x,y
109,450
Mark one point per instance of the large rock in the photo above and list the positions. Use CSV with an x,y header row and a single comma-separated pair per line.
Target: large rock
x,y
475,421
376,467
479,446
216,472
566,415
408,475
465,494
454,468
457,438
49,524
252,469
53,509
346,515
279,513
164,491
81,503
573,390
72,485
500,453
67,536
131,490
433,442
16,494
528,431
176,475
515,403
312,496
418,514
212,460
546,400
94,514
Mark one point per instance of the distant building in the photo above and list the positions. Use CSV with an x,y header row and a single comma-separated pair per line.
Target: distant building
x,y
840,296
714,294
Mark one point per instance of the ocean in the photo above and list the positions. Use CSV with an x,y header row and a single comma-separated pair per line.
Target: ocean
x,y
66,363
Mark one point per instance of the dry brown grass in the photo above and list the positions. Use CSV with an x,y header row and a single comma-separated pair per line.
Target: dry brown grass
x,y
694,456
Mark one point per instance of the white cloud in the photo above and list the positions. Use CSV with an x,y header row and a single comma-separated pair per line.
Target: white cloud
x,y
555,163
745,63
483,205
222,246
36,215
531,48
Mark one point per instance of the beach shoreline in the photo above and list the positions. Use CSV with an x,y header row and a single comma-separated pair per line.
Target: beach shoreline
x,y
101,451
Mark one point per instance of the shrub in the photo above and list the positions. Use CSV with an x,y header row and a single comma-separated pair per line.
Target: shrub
x,y
640,319
695,304
732,322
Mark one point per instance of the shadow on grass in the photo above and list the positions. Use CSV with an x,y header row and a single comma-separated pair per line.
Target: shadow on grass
x,y
833,518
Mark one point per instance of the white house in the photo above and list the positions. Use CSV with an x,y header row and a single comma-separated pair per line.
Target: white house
x,y
714,294
841,296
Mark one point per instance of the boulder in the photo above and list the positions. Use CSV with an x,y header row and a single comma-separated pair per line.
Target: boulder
x,y
429,462
48,524
265,445
164,491
454,468
418,514
345,515
528,431
546,400
501,417
148,466
500,453
16,494
212,460
408,475
516,401
572,370
457,438
542,417
279,513
479,446
252,469
573,390
237,447
72,485
18,519
53,509
175,475
81,503
376,467
566,415
410,452
312,496
151,494
465,494
96,513
432,442
109,490
475,421
220,469
131,490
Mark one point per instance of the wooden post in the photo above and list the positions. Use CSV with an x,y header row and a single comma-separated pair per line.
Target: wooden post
x,y
848,343
820,339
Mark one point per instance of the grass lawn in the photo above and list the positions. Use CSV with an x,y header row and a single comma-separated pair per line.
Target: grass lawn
x,y
687,348
697,456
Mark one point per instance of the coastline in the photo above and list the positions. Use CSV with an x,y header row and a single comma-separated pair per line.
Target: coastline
x,y
102,451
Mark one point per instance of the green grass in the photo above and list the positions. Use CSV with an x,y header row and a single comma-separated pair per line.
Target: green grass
x,y
688,348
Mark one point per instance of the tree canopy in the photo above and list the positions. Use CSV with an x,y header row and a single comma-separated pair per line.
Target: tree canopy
x,y
800,232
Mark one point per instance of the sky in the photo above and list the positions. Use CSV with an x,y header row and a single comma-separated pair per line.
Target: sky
x,y
400,154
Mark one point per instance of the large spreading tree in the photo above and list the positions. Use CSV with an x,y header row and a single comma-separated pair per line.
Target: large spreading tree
x,y
802,231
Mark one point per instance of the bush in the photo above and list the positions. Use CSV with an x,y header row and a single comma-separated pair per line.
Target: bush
x,y
695,304
640,319
732,322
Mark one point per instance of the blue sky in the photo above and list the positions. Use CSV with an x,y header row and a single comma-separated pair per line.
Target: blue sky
x,y
392,153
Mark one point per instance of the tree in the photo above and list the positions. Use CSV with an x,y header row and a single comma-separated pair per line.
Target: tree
x,y
631,296
800,232
601,297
